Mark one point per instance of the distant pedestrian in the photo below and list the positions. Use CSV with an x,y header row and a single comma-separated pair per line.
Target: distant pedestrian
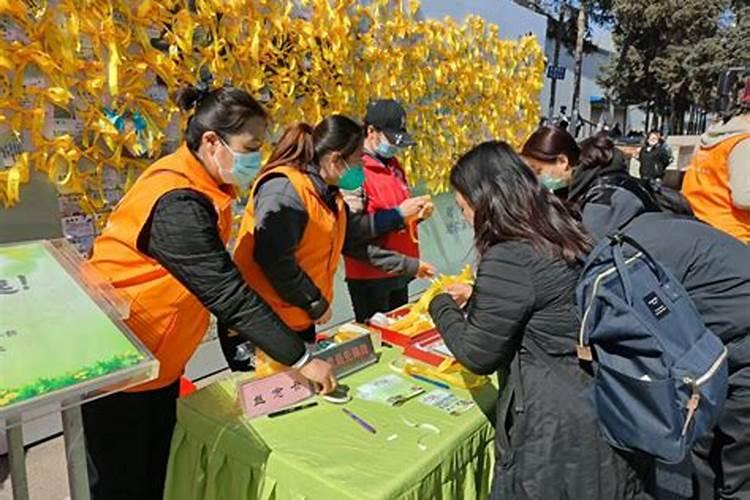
x,y
616,131
563,120
655,156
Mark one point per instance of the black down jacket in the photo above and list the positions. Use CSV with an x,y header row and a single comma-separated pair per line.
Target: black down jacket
x,y
713,266
549,445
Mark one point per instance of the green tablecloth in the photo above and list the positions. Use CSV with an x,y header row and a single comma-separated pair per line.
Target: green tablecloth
x,y
321,454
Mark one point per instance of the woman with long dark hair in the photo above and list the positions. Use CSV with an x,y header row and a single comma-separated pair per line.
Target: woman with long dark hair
x,y
520,321
296,225
713,268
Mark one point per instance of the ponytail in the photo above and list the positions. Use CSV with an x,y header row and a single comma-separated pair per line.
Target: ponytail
x,y
597,151
302,145
294,149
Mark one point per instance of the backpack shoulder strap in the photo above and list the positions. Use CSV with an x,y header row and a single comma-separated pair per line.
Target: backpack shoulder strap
x,y
650,261
615,241
596,253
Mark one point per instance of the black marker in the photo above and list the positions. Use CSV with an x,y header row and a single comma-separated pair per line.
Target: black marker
x,y
286,411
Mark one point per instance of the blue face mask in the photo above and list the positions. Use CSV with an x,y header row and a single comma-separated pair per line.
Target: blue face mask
x,y
353,178
552,183
386,150
244,169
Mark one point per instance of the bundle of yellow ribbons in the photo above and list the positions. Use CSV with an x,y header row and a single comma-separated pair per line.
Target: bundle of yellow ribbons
x,y
418,320
91,60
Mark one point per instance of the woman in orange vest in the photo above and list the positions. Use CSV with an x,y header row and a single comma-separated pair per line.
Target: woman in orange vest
x,y
296,224
164,248
717,182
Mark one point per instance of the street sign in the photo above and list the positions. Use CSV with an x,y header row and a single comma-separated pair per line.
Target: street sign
x,y
556,72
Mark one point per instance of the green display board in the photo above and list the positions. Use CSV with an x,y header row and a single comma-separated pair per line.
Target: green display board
x,y
53,335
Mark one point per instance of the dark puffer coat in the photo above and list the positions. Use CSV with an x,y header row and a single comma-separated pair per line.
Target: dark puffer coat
x,y
714,268
549,444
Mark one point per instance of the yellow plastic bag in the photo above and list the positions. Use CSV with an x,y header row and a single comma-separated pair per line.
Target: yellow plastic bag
x,y
450,372
265,365
418,320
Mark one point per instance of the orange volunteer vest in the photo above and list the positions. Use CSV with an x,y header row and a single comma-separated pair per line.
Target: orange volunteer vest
x,y
168,319
318,252
706,186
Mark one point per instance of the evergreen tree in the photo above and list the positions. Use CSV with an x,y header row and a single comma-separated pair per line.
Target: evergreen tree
x,y
670,53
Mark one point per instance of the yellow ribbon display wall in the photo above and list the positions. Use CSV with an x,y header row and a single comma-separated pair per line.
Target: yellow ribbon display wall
x,y
85,84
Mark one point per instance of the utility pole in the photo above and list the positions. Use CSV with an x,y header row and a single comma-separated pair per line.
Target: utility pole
x,y
579,66
556,56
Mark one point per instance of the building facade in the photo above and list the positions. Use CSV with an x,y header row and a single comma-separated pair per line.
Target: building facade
x,y
516,20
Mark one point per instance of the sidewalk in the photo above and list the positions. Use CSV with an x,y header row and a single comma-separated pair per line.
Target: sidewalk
x,y
46,467
47,472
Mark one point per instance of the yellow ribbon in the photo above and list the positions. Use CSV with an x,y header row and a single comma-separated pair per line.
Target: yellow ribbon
x,y
305,60
61,165
113,69
12,179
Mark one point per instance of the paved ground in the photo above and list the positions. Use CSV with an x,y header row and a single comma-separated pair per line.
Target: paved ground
x,y
46,468
45,463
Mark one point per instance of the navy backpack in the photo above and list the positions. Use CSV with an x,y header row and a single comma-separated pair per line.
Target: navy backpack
x,y
660,376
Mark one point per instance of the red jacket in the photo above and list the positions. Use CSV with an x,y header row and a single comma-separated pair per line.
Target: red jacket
x,y
384,188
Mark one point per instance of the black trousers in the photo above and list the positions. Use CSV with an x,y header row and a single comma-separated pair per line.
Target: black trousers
x,y
722,460
128,436
374,296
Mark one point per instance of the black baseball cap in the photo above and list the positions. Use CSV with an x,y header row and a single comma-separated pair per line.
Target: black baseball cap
x,y
389,116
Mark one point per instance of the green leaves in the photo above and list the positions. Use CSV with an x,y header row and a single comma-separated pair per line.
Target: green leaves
x,y
671,52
